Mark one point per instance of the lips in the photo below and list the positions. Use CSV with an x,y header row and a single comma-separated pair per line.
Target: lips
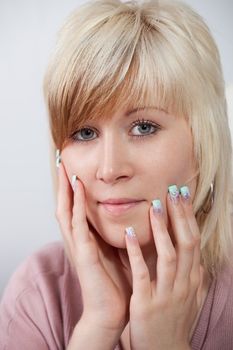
x,y
119,205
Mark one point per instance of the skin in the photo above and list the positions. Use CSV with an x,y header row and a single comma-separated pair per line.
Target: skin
x,y
157,273
115,165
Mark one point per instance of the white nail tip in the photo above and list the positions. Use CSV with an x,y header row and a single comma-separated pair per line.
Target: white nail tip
x,y
74,178
58,158
130,231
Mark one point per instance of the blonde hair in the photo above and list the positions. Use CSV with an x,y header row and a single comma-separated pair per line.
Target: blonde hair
x,y
111,54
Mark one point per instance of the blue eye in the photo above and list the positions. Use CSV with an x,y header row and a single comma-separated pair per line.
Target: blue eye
x,y
144,128
84,134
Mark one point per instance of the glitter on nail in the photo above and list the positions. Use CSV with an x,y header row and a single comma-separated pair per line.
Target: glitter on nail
x,y
157,206
185,193
130,231
174,193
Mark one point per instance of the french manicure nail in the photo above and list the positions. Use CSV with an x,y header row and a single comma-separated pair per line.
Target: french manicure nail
x,y
130,231
185,193
58,158
157,206
74,182
174,193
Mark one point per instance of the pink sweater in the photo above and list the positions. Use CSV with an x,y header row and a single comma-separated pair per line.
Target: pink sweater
x,y
42,304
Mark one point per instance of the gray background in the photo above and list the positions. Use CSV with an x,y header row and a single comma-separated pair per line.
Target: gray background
x,y
27,35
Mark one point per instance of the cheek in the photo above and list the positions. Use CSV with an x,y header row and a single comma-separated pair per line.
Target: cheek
x,y
177,160
167,167
78,164
172,164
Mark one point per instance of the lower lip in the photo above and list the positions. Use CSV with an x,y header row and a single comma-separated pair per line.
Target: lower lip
x,y
119,208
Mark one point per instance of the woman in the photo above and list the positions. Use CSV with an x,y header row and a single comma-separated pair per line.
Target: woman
x,y
137,112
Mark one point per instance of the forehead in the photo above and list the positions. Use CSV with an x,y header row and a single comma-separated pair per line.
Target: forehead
x,y
136,92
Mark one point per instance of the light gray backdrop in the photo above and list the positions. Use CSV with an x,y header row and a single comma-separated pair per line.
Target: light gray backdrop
x,y
27,34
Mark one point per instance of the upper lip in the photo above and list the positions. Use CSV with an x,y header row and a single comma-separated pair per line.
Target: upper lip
x,y
120,200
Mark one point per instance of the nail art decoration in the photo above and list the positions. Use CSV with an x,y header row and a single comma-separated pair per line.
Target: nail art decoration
x,y
58,158
130,231
185,193
157,206
74,178
174,193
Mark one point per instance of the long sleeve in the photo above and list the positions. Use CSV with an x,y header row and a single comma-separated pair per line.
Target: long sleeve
x,y
41,303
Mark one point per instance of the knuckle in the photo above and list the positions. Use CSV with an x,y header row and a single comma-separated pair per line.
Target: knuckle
x,y
180,213
169,258
182,293
74,222
188,207
60,217
61,214
195,281
197,239
188,244
58,213
142,274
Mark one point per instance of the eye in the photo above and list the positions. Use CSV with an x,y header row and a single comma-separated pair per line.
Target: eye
x,y
84,134
144,127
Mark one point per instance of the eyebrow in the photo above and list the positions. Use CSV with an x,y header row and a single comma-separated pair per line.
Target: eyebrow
x,y
135,110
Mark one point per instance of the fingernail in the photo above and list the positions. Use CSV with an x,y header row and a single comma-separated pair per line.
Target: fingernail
x,y
157,206
185,193
174,193
58,158
74,182
130,231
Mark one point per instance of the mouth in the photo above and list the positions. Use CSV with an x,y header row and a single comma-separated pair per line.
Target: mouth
x,y
119,206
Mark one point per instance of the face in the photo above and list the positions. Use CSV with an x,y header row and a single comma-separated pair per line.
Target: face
x,y
126,162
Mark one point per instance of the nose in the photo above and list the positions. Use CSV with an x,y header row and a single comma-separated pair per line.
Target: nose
x,y
114,163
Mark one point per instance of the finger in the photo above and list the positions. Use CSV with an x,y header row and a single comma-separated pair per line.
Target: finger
x,y
140,272
188,210
87,258
166,261
64,208
80,228
183,237
82,249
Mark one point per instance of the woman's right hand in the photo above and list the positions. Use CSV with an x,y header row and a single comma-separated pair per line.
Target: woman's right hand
x,y
105,289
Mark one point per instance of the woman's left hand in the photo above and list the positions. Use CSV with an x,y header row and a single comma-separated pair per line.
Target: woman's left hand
x,y
162,311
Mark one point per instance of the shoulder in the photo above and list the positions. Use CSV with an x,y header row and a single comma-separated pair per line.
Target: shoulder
x,y
47,260
221,318
35,300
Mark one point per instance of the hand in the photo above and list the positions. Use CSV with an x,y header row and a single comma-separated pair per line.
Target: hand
x,y
162,311
105,290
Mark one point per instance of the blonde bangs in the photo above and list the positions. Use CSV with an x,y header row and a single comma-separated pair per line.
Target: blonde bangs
x,y
124,61
113,56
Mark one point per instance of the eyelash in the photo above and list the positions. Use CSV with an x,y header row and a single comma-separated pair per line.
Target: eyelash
x,y
137,122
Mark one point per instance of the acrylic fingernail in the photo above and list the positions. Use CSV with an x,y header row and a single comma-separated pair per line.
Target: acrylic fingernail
x,y
185,193
130,231
157,206
58,158
74,182
174,193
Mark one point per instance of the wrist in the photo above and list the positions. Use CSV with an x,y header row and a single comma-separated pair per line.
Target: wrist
x,y
90,335
102,325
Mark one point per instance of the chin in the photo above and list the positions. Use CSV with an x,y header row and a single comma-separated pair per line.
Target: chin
x,y
113,232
